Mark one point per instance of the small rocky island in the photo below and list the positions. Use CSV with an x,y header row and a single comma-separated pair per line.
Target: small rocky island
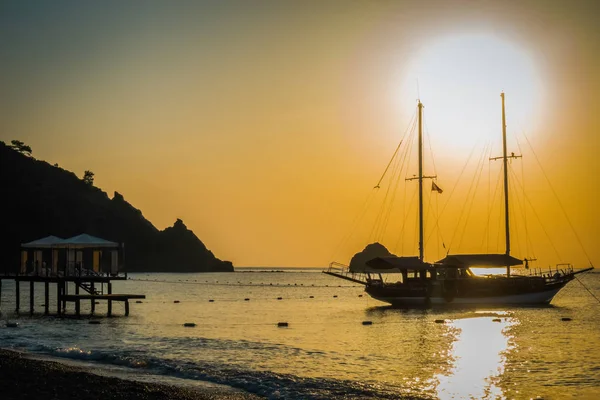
x,y
41,199
358,263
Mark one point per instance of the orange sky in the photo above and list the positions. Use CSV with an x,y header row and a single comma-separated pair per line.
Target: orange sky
x,y
265,125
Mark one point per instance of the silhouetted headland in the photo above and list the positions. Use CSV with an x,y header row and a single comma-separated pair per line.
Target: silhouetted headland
x,y
40,199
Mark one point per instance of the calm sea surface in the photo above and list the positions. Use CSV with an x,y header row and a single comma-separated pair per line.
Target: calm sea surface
x,y
326,351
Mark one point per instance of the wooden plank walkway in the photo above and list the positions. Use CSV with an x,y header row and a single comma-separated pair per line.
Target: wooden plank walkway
x,y
94,297
113,297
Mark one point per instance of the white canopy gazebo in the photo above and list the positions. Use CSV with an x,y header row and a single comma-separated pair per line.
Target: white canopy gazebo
x,y
74,247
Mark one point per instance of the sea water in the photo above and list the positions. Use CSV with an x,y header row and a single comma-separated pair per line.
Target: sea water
x,y
325,351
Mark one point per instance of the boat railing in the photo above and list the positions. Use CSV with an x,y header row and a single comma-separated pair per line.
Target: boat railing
x,y
343,270
550,274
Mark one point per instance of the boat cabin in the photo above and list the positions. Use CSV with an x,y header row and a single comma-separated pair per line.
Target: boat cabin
x,y
412,271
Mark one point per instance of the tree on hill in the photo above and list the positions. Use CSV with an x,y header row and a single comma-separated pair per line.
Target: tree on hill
x,y
88,177
21,147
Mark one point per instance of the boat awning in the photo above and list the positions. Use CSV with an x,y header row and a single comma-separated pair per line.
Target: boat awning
x,y
480,260
86,241
43,243
387,264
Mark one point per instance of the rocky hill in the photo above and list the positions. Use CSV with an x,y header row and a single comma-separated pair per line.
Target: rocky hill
x,y
373,250
40,199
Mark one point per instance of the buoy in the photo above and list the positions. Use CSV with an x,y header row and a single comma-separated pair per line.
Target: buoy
x,y
440,321
176,301
282,324
189,324
367,322
94,322
566,319
12,324
280,298
496,320
138,301
246,299
211,301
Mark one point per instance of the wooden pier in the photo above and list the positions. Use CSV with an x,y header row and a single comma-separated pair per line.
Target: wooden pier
x,y
87,263
94,288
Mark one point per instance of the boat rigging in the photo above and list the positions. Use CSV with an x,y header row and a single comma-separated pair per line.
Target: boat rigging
x,y
451,280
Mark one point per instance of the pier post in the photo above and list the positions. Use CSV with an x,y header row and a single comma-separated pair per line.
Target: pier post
x,y
47,298
64,302
58,297
126,308
109,301
31,292
77,301
93,302
17,295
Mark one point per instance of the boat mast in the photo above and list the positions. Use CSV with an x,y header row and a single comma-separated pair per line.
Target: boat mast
x,y
505,158
420,178
505,167
421,247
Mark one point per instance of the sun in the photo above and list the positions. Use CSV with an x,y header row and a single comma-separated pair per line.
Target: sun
x,y
459,80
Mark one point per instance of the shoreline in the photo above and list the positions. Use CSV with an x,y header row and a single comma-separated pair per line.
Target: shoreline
x,y
24,377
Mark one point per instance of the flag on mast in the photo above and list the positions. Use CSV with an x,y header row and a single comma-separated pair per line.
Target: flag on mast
x,y
435,187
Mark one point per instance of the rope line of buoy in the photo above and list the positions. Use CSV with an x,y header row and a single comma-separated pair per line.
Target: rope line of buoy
x,y
186,282
278,324
237,299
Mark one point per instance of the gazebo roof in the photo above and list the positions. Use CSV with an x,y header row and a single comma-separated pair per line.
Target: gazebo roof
x,y
43,243
80,241
85,240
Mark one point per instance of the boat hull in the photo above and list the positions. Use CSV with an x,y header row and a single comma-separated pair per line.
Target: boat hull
x,y
540,298
400,297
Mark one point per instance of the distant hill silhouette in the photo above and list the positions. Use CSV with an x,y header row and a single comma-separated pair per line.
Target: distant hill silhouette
x,y
40,199
371,251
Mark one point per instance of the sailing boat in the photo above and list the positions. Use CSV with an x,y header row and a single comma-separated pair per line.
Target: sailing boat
x,y
451,280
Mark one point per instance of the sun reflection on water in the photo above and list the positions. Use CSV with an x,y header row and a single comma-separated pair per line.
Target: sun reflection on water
x,y
477,356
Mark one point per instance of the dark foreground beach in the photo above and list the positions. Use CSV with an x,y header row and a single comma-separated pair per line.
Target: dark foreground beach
x,y
24,378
